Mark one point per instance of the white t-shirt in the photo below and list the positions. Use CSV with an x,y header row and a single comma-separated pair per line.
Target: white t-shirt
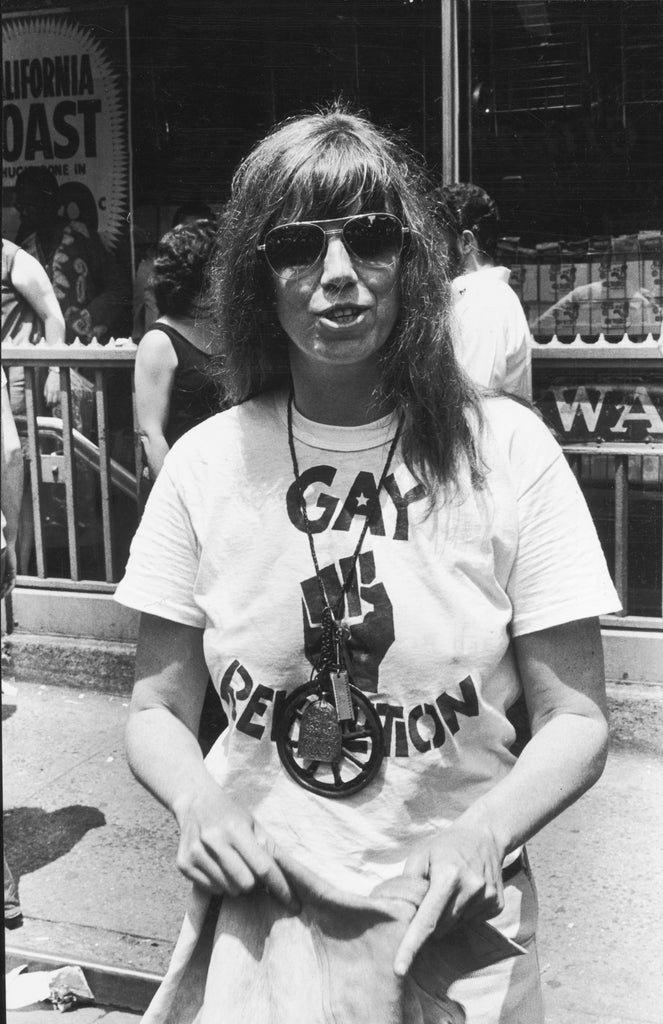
x,y
437,597
492,337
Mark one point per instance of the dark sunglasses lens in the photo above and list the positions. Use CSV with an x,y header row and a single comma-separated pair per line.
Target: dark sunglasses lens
x,y
292,248
375,238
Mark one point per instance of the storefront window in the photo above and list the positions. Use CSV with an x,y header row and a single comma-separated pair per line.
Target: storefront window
x,y
564,128
561,121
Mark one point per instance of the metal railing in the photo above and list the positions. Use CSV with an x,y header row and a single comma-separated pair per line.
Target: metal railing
x,y
627,481
617,479
76,471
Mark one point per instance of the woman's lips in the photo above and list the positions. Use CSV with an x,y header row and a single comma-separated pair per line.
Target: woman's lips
x,y
343,315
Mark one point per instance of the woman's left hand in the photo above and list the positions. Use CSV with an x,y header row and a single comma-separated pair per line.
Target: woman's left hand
x,y
463,866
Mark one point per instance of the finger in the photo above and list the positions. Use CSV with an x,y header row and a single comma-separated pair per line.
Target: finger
x,y
486,904
421,927
241,878
206,873
229,856
258,852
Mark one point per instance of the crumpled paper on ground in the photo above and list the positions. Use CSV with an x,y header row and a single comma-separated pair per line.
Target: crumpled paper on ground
x,y
65,987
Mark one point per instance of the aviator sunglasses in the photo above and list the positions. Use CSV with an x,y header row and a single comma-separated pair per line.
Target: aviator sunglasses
x,y
372,238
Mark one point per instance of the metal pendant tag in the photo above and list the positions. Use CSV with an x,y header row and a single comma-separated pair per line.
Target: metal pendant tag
x,y
342,697
319,732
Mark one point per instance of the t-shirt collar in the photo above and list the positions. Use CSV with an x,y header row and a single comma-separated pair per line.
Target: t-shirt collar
x,y
330,437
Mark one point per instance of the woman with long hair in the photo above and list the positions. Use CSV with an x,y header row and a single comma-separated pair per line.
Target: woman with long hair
x,y
374,562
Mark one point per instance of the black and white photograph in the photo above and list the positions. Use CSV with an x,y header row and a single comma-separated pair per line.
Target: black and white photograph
x,y
332,511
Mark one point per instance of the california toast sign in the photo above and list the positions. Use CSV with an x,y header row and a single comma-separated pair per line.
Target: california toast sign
x,y
65,106
604,411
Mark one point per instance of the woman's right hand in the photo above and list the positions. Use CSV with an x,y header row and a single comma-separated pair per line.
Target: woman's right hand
x,y
223,850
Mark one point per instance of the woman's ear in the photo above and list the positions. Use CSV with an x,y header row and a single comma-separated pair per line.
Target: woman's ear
x,y
468,241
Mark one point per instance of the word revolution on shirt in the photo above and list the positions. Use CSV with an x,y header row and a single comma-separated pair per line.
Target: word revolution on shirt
x,y
407,730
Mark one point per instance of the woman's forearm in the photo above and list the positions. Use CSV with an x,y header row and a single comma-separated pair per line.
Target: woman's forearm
x,y
561,761
54,328
464,862
156,448
165,757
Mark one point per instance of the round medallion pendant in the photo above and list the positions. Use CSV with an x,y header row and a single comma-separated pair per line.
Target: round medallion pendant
x,y
329,757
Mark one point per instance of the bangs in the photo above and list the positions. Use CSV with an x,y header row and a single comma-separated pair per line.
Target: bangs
x,y
340,176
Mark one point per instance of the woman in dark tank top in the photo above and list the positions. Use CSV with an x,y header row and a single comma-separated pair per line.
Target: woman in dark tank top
x,y
175,389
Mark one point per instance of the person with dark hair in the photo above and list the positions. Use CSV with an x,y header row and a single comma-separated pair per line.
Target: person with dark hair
x,y
145,309
175,389
492,334
30,312
190,211
373,563
86,280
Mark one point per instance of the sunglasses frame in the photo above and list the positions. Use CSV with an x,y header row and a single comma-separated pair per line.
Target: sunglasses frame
x,y
342,223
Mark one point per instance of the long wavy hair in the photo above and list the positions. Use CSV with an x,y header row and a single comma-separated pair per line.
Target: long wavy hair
x,y
325,165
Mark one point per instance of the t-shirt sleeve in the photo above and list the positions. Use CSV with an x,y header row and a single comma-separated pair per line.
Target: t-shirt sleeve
x,y
559,573
479,343
163,562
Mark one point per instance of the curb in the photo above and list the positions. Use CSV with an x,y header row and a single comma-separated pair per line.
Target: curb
x,y
85,664
113,987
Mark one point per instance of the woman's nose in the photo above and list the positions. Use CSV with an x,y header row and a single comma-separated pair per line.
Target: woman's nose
x,y
337,269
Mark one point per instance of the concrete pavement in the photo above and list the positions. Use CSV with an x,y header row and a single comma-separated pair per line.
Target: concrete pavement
x,y
95,856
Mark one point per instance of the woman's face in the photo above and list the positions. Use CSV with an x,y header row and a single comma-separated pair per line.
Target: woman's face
x,y
341,311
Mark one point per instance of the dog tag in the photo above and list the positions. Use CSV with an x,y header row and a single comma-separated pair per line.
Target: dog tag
x,y
319,732
342,697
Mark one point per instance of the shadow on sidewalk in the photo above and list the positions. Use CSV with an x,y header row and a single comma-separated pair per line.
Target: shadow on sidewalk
x,y
34,838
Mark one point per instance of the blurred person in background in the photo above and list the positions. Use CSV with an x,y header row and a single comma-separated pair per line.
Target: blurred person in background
x,y
145,309
93,294
11,483
30,312
174,387
492,335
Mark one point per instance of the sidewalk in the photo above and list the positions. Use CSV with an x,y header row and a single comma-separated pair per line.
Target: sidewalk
x,y
95,856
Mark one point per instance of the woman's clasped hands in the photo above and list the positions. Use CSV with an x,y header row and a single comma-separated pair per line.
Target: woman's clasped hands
x,y
463,867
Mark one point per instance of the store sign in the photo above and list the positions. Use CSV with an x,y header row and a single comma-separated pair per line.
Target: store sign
x,y
604,411
65,106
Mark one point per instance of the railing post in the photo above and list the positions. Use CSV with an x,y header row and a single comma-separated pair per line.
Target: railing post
x,y
621,529
34,464
104,472
69,470
139,458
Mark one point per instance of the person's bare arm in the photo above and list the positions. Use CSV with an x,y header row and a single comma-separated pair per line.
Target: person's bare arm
x,y
156,364
563,679
222,849
11,484
31,280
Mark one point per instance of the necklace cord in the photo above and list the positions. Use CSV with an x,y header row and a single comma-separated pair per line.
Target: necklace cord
x,y
327,610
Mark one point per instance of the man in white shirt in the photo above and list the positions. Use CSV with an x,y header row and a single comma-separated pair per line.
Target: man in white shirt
x,y
492,334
